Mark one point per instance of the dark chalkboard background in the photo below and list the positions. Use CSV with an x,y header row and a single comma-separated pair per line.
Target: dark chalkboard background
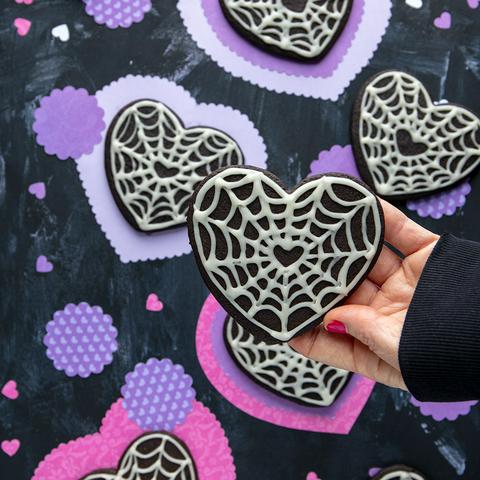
x,y
53,408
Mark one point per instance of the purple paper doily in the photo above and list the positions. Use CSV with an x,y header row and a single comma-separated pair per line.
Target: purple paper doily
x,y
128,243
443,203
443,410
338,159
118,13
68,123
158,394
81,340
326,79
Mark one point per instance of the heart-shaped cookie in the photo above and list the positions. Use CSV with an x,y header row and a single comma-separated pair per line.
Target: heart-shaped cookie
x,y
277,261
405,145
153,163
399,472
157,455
302,29
282,370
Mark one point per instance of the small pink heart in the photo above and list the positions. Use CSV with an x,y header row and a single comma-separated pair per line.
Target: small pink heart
x,y
153,303
38,189
312,476
473,3
10,447
22,25
444,21
43,265
26,2
10,391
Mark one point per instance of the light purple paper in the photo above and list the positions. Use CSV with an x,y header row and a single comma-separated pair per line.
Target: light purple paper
x,y
129,244
444,410
340,66
245,49
338,159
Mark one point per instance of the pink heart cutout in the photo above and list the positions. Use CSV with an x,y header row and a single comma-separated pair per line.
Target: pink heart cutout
x,y
10,390
444,21
153,303
43,265
22,25
312,476
473,3
26,2
10,447
38,189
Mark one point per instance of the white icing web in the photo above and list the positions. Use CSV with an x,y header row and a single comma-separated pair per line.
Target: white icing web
x,y
284,259
400,475
283,370
410,145
304,28
154,456
155,163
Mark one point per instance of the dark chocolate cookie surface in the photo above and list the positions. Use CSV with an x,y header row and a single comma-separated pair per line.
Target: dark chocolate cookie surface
x,y
302,29
407,146
153,456
153,163
282,370
277,261
399,472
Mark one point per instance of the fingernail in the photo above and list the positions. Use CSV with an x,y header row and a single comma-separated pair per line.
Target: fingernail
x,y
336,327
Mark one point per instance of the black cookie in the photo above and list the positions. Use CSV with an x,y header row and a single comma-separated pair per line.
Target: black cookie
x,y
157,455
300,29
405,145
278,261
153,163
282,370
399,472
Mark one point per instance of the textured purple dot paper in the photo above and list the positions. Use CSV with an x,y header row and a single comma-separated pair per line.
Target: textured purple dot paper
x,y
118,13
326,79
443,410
81,340
158,394
68,123
129,244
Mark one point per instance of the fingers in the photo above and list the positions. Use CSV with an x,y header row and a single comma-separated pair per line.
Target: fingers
x,y
387,264
364,294
403,233
379,333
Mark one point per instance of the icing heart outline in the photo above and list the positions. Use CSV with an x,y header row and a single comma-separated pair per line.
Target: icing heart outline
x,y
167,163
289,28
401,99
332,277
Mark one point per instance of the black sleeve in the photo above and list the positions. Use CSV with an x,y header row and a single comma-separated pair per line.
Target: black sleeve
x,y
440,343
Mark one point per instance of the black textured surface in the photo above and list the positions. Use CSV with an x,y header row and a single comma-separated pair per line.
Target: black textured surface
x,y
53,408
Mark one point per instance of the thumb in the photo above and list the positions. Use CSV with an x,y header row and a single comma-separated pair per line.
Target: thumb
x,y
367,326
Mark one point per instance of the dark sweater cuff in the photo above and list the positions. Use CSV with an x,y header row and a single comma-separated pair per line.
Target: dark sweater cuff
x,y
440,343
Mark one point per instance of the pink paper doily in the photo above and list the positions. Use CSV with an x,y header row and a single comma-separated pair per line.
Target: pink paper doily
x,y
326,79
201,432
129,244
254,400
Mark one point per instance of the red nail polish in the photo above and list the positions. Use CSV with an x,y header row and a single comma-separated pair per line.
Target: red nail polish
x,y
336,327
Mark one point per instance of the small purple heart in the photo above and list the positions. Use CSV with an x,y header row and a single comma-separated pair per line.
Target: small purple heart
x,y
444,21
373,471
473,3
43,265
38,189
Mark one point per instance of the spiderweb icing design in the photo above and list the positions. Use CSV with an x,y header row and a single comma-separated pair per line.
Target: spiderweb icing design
x,y
154,456
305,29
399,473
279,261
153,163
408,144
283,370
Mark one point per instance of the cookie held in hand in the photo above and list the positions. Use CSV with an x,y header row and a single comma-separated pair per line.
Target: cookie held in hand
x,y
302,29
153,163
280,369
405,145
278,260
399,472
157,455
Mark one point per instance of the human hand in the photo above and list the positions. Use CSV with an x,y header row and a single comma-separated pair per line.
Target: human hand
x,y
363,335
